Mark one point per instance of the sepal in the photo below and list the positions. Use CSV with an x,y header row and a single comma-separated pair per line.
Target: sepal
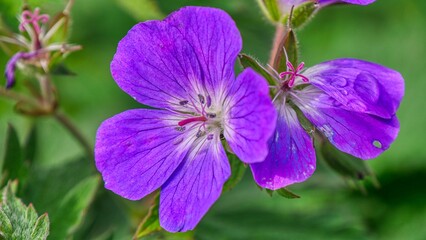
x,y
300,15
249,62
347,166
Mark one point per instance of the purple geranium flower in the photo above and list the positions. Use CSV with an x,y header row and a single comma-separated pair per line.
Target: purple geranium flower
x,y
286,5
184,68
351,102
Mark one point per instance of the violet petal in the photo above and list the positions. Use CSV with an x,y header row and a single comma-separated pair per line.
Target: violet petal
x,y
136,151
291,157
250,117
359,85
360,134
356,2
160,63
194,187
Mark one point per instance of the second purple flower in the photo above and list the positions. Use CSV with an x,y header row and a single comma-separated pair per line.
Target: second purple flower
x,y
353,103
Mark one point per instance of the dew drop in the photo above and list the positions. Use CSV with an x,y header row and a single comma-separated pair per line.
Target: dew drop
x,y
344,92
339,82
377,144
367,87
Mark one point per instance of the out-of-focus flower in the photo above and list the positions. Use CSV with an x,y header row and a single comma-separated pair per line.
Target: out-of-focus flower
x,y
351,102
36,42
184,68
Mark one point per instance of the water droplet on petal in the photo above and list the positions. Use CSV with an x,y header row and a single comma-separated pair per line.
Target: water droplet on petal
x,y
377,144
339,82
367,87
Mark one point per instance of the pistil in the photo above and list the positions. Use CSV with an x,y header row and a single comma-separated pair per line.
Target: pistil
x,y
293,73
193,119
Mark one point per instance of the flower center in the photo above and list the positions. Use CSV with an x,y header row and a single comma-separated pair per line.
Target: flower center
x,y
289,76
204,119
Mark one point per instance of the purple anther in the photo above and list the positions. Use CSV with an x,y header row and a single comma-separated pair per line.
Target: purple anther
x,y
209,101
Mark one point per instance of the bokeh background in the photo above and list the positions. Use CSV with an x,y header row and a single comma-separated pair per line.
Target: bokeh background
x,y
389,32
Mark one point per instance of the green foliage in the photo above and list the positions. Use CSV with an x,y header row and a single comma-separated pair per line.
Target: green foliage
x,y
71,190
300,15
9,10
72,208
238,168
346,165
150,227
151,222
14,166
271,9
19,222
141,9
31,144
284,192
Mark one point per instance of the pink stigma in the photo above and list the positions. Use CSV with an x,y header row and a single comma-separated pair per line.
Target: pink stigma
x,y
190,120
29,18
293,73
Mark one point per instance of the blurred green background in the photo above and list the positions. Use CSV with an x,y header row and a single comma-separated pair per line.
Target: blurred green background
x,y
389,32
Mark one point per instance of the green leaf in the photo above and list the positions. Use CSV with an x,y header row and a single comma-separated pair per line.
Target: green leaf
x,y
71,189
284,192
287,193
18,221
346,165
247,61
151,222
238,168
71,210
289,43
141,9
13,162
301,15
271,9
150,226
9,10
30,146
61,70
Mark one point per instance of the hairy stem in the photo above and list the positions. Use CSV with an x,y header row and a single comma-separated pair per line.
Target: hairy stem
x,y
280,33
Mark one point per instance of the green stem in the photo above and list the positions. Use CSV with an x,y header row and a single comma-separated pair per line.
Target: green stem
x,y
66,122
